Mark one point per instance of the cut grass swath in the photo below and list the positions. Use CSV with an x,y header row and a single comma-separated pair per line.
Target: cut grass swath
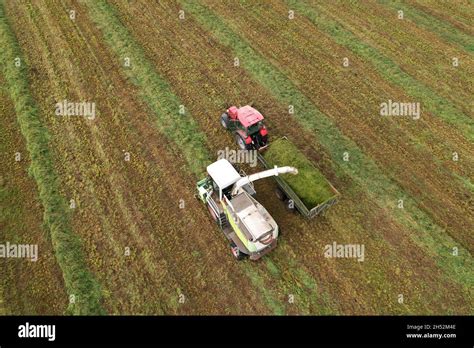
x,y
388,69
433,24
360,168
67,245
429,58
181,129
28,287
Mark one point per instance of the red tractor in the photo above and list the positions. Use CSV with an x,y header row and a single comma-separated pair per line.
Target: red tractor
x,y
247,125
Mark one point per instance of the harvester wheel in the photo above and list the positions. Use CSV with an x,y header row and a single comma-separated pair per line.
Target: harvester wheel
x,y
225,120
236,252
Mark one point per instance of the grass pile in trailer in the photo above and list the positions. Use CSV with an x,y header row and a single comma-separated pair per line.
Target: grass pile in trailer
x,y
310,185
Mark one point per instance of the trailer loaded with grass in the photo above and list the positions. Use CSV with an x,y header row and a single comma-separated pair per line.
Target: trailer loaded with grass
x,y
309,192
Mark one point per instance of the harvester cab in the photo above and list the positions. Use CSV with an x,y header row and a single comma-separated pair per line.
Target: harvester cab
x,y
229,198
247,125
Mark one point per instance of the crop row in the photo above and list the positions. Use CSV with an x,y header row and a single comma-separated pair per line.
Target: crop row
x,y
179,127
67,245
430,59
440,27
388,69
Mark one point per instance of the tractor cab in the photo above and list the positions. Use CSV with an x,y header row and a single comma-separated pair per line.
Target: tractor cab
x,y
247,125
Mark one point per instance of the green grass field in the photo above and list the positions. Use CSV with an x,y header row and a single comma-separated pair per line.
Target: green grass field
x,y
138,242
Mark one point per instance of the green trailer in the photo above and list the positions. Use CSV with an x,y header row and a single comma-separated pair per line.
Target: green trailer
x,y
309,192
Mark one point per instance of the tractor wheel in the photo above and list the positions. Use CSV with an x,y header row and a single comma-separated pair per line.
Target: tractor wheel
x,y
240,142
236,252
280,194
225,120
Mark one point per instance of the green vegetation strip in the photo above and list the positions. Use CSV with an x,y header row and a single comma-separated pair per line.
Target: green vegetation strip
x,y
441,28
360,168
309,184
67,245
275,306
388,69
297,282
180,128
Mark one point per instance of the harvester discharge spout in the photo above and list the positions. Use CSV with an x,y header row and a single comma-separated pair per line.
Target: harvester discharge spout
x,y
261,175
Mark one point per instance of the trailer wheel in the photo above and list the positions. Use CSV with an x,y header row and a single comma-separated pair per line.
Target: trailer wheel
x,y
236,252
225,120
280,194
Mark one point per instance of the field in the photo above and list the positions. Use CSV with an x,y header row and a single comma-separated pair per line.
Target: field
x,y
109,200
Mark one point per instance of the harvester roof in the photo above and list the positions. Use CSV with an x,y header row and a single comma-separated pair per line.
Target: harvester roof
x,y
223,173
248,116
